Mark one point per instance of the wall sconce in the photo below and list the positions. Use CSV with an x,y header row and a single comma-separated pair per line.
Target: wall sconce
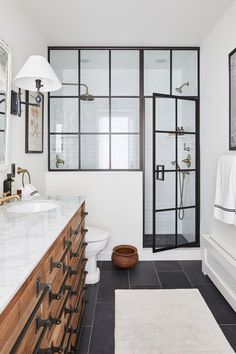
x,y
35,75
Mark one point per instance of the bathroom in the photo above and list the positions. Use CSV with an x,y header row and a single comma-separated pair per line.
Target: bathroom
x,y
151,188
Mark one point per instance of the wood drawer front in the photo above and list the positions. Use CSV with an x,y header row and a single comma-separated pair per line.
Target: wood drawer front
x,y
13,322
78,221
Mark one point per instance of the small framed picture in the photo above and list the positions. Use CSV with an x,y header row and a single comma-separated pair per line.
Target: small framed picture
x,y
232,100
34,123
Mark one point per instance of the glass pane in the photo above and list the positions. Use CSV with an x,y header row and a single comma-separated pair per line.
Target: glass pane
x,y
186,226
2,112
125,115
165,229
165,114
2,146
94,71
125,72
156,72
186,189
187,115
185,71
94,152
64,115
125,151
64,147
165,150
186,151
148,167
65,65
94,116
165,192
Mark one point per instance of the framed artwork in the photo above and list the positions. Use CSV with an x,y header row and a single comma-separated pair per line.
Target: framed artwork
x,y
34,123
232,100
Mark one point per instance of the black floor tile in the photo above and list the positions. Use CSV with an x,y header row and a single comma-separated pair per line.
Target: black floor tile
x,y
90,296
143,273
230,334
145,286
222,311
110,281
167,265
108,266
174,280
193,270
102,340
84,340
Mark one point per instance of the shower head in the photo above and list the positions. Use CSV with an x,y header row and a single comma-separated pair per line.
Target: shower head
x,y
180,89
86,96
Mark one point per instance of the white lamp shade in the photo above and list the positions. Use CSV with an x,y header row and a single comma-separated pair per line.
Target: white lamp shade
x,y
37,68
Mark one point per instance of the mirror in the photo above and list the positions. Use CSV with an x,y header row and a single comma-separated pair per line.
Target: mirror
x,y
5,81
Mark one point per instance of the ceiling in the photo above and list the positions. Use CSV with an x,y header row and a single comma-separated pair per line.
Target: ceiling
x,y
125,22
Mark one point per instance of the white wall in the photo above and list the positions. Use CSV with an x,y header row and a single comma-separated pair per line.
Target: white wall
x,y
114,202
215,114
17,30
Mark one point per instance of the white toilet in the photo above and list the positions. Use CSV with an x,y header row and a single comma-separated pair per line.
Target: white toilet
x,y
97,240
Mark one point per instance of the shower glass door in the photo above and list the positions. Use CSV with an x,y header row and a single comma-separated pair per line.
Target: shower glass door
x,y
175,162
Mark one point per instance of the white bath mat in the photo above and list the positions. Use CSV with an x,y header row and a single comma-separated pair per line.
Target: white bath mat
x,y
166,322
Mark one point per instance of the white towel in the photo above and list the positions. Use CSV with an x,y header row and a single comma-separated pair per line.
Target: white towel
x,y
225,199
29,191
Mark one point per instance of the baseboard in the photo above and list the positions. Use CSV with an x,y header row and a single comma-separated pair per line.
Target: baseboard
x,y
147,255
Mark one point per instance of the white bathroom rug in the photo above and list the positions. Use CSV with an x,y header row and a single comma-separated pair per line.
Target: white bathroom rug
x,y
166,322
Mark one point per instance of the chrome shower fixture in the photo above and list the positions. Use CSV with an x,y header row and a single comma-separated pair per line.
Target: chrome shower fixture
x,y
180,89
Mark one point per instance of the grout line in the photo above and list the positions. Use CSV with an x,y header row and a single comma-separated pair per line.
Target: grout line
x,y
95,305
157,274
186,274
129,279
227,324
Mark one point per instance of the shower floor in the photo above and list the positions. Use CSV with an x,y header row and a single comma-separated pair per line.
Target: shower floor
x,y
164,240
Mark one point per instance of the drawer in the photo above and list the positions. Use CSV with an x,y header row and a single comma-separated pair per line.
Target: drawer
x,y
17,319
78,221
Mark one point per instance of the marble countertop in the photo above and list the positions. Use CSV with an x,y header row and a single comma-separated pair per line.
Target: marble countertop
x,y
25,238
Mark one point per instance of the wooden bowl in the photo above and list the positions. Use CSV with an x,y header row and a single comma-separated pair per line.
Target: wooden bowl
x,y
125,256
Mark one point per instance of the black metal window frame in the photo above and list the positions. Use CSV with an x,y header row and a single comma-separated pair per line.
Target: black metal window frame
x,y
141,98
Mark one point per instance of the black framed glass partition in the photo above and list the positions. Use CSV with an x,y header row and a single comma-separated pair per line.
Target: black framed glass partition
x,y
115,130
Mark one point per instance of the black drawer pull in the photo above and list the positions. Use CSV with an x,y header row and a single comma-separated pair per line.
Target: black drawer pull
x,y
76,253
51,350
76,231
39,287
72,330
42,323
77,269
58,296
71,310
54,265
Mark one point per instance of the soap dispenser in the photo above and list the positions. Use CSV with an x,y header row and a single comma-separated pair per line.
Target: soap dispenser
x,y
7,185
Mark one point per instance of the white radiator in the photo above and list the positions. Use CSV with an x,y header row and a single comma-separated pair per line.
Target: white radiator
x,y
220,266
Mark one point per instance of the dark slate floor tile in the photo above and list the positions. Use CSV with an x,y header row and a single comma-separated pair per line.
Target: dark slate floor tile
x,y
174,280
110,281
193,270
145,286
222,311
230,333
108,266
84,340
143,273
102,340
90,296
167,265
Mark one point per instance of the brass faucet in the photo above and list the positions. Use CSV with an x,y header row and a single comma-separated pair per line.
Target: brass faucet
x,y
7,199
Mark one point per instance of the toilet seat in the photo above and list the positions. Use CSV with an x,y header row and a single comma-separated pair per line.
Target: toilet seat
x,y
96,235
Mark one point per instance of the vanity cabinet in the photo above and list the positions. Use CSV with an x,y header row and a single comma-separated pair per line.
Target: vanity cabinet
x,y
45,314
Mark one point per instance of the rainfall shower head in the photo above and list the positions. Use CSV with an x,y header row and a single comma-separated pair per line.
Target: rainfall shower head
x,y
180,89
86,96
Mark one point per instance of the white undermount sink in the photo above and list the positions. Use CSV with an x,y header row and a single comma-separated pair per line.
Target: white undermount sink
x,y
36,206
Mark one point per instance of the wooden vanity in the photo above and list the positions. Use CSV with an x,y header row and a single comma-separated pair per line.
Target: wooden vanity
x,y
45,314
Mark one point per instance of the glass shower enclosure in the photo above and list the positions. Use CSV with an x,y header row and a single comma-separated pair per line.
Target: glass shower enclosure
x,y
175,163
